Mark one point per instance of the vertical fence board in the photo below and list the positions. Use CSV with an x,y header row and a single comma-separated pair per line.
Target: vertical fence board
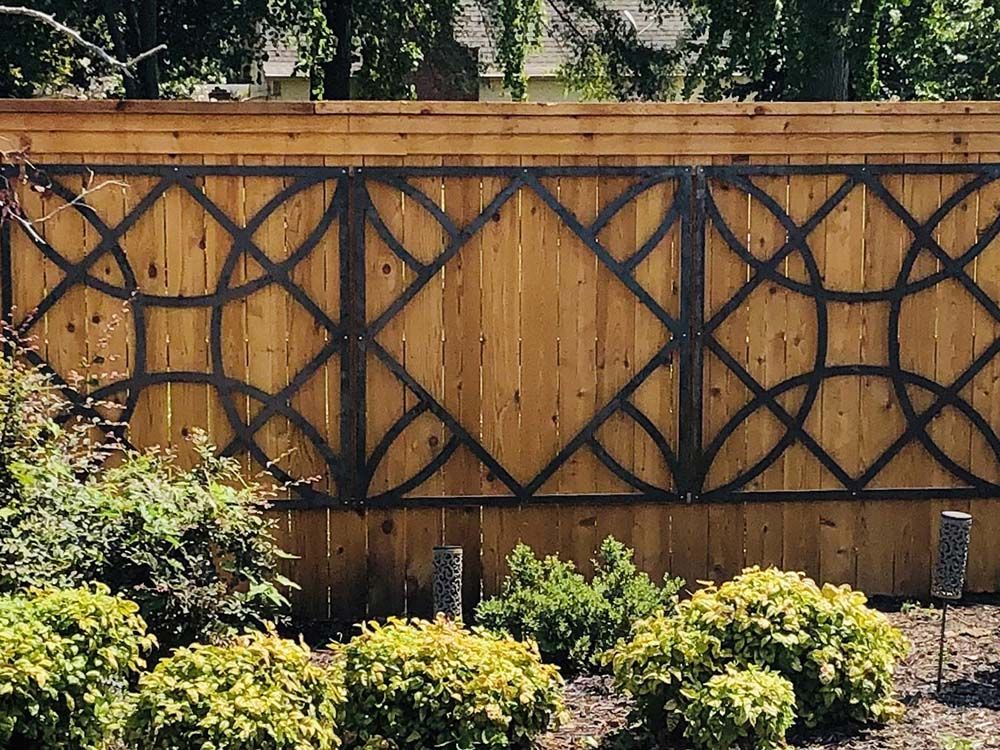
x,y
802,470
840,403
768,329
725,274
921,197
462,362
386,277
883,256
500,372
984,553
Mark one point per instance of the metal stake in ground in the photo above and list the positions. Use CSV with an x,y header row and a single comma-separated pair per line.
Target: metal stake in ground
x,y
949,572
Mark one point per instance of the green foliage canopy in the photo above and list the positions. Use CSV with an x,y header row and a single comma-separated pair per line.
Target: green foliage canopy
x,y
416,684
787,49
764,49
193,548
748,707
253,692
837,653
207,41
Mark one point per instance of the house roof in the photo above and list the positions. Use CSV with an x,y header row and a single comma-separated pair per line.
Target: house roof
x,y
281,60
473,31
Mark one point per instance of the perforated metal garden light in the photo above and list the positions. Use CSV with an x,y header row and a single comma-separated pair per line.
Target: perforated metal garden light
x,y
448,581
949,571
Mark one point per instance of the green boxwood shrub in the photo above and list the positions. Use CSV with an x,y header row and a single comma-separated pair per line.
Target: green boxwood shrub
x,y
255,692
65,660
192,548
838,654
417,684
573,621
749,708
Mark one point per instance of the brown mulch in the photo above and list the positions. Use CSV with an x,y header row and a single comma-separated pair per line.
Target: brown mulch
x,y
968,708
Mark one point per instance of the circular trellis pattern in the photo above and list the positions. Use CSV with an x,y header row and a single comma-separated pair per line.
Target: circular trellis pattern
x,y
906,286
137,302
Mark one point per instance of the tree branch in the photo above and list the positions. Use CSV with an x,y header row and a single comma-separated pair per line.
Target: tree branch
x,y
125,66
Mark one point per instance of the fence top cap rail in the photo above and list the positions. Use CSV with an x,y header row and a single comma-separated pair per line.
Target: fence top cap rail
x,y
431,108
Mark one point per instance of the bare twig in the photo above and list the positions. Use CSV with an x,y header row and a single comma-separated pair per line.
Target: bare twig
x,y
125,66
10,207
88,188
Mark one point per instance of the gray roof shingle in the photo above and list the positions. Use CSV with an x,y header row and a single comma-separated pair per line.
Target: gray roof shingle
x,y
473,32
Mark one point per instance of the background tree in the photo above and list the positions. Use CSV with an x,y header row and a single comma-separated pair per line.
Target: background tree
x,y
206,41
372,49
941,49
369,49
787,49
36,59
761,49
37,19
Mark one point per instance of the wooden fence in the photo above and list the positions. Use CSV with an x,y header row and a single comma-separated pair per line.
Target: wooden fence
x,y
726,334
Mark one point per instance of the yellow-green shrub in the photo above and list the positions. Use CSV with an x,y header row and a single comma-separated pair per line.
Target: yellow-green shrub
x,y
256,692
417,684
65,659
838,654
749,708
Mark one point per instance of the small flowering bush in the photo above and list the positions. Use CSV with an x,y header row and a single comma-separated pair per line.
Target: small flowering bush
x,y
749,708
837,654
65,660
418,684
256,692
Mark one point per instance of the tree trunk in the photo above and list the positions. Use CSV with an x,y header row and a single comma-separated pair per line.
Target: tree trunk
x,y
824,69
337,71
114,19
148,72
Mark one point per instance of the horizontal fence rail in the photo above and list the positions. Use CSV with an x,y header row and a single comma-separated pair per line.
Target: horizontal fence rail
x,y
728,334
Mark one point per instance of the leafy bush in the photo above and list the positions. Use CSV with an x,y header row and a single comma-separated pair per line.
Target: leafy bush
x,y
425,684
749,708
573,622
65,659
838,654
192,548
255,692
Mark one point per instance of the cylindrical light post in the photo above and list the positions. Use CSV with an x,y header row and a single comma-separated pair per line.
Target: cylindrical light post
x,y
448,581
949,571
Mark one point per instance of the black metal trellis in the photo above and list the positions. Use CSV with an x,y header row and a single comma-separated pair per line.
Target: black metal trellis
x,y
945,395
139,301
517,179
353,338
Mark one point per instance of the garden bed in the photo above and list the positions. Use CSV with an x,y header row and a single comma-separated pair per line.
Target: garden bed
x,y
968,709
